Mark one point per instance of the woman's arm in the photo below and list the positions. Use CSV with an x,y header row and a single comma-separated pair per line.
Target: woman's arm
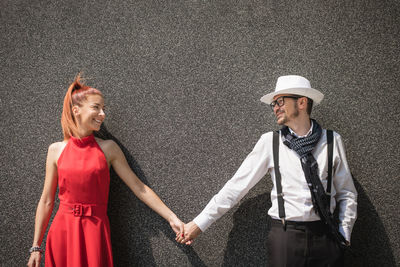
x,y
142,191
46,202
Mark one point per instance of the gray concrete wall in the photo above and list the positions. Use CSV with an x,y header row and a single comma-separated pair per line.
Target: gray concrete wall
x,y
182,81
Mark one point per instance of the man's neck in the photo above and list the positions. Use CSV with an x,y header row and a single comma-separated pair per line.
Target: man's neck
x,y
300,126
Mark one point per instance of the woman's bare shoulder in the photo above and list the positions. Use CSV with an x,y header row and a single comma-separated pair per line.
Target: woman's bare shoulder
x,y
107,145
56,148
106,142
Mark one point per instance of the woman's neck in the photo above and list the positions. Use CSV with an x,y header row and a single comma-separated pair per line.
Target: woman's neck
x,y
83,133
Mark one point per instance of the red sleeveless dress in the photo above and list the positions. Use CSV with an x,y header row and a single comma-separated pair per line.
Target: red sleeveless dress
x,y
80,232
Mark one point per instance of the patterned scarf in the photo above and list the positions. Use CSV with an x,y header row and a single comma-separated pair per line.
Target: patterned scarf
x,y
303,146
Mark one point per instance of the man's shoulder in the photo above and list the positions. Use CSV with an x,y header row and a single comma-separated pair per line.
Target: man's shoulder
x,y
270,134
267,135
335,134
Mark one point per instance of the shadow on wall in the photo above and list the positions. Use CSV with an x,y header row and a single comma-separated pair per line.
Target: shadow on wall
x,y
369,239
132,223
247,242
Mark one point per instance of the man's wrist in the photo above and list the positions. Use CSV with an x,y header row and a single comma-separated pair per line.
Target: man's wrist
x,y
202,222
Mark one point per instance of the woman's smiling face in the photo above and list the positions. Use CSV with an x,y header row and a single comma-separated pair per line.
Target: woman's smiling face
x,y
90,114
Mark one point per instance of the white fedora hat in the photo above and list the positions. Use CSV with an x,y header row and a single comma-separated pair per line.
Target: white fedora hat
x,y
293,85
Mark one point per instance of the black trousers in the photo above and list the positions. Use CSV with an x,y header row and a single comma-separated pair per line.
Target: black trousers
x,y
302,244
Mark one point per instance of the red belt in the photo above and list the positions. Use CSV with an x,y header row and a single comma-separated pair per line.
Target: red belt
x,y
79,210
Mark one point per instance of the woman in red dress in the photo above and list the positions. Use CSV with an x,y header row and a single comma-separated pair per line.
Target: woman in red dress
x,y
79,165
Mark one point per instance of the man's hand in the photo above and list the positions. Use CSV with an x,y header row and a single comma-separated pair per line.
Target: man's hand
x,y
191,232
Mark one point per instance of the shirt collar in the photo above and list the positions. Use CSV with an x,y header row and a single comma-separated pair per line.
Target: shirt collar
x,y
307,134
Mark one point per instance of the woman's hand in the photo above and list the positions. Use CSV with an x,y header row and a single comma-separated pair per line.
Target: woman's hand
x,y
179,228
34,259
176,225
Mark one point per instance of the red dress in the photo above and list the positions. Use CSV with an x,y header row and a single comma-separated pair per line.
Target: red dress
x,y
80,232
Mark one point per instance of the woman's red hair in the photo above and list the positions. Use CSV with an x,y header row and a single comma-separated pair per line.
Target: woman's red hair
x,y
77,93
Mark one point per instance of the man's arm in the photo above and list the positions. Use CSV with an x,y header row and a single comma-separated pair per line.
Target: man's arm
x,y
346,194
253,168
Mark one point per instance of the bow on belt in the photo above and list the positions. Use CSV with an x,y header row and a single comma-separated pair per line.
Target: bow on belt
x,y
79,210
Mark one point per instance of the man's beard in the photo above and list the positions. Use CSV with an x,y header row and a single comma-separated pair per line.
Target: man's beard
x,y
284,119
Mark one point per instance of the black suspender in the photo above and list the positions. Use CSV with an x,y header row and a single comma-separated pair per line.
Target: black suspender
x,y
278,183
275,149
329,136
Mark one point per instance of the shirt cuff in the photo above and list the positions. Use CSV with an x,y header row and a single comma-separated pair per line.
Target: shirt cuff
x,y
202,221
345,232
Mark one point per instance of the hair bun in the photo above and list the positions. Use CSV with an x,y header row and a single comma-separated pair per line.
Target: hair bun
x,y
77,86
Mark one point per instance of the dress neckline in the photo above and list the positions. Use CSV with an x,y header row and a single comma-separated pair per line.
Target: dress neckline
x,y
84,141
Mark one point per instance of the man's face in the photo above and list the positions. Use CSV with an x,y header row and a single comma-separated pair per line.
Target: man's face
x,y
288,111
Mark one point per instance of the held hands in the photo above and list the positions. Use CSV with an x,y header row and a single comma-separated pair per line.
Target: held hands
x,y
191,231
178,227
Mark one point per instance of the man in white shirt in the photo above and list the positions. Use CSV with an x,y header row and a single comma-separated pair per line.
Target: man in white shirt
x,y
300,234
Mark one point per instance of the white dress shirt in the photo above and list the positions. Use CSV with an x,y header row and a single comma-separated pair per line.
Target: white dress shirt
x,y
297,197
